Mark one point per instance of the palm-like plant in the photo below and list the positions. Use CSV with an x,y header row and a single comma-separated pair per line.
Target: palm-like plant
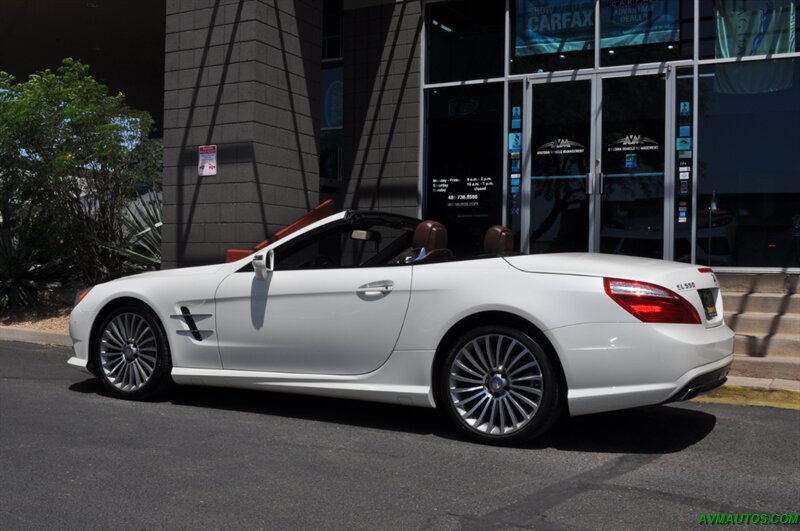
x,y
141,244
22,274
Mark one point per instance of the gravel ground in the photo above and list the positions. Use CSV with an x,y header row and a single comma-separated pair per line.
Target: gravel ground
x,y
57,323
51,316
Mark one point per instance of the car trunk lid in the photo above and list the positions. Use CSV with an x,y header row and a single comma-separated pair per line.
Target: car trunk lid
x,y
698,285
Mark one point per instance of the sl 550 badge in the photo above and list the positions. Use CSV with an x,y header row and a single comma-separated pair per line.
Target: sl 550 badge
x,y
687,285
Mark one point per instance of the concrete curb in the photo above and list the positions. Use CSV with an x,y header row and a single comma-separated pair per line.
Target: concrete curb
x,y
774,384
752,396
40,337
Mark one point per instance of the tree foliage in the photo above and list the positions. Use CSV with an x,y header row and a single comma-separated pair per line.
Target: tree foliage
x,y
72,158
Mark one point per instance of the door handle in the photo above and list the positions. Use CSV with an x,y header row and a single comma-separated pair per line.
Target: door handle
x,y
374,289
602,182
589,183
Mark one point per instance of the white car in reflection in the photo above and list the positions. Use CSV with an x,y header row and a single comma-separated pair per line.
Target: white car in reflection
x,y
373,306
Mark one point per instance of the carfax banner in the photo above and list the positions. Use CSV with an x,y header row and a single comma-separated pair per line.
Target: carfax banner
x,y
556,26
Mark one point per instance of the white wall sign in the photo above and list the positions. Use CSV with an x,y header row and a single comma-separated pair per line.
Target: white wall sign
x,y
207,161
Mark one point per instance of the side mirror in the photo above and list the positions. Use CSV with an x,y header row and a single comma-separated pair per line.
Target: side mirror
x,y
263,263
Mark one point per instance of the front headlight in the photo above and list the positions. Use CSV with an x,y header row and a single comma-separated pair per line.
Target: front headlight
x,y
80,294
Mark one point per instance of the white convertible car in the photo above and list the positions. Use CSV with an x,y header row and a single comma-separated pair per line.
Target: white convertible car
x,y
374,306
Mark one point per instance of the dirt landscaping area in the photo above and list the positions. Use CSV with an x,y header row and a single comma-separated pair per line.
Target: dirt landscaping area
x,y
52,315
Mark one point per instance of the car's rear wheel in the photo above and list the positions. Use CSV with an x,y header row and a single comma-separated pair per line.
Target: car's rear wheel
x,y
499,386
131,353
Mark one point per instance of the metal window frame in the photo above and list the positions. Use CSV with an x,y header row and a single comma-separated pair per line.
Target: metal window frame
x,y
597,73
595,152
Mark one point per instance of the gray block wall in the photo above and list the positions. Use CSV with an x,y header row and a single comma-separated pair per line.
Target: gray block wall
x,y
381,53
244,75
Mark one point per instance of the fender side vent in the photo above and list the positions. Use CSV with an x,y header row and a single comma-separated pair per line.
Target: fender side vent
x,y
190,322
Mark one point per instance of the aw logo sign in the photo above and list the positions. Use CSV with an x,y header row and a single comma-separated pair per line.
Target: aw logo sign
x,y
560,146
633,143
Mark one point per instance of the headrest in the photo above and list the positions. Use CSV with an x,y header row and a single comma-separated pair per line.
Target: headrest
x,y
431,235
498,240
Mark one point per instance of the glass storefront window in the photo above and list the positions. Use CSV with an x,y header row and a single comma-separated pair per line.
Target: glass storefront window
x,y
464,40
331,29
330,157
745,170
560,162
682,179
332,89
645,31
739,28
632,149
332,97
464,153
514,161
748,199
549,35
331,122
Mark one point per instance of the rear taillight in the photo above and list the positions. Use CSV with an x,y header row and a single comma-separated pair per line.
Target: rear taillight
x,y
650,303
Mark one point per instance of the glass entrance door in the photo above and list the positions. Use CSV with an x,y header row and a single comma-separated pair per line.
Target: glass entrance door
x,y
596,161
631,187
560,155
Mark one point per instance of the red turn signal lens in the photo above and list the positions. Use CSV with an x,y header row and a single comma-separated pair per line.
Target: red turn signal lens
x,y
650,303
80,295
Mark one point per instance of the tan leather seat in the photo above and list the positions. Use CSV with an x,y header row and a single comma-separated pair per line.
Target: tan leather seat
x,y
498,240
429,244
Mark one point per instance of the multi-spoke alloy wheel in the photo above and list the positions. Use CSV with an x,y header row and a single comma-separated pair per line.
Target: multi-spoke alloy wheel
x,y
131,353
499,385
128,351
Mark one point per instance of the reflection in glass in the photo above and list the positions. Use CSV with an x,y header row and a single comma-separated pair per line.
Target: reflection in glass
x,y
332,90
330,157
645,31
331,29
464,177
551,35
560,144
464,40
737,28
632,144
748,198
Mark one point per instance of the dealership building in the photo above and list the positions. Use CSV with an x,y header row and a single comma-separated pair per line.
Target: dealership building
x,y
658,128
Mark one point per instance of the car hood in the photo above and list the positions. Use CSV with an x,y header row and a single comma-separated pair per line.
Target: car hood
x,y
179,272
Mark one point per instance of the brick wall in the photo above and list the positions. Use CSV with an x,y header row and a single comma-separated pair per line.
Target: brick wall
x,y
381,51
242,74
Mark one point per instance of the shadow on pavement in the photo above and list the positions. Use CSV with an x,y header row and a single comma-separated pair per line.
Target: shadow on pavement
x,y
649,430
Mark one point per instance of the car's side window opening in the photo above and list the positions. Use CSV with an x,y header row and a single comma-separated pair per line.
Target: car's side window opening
x,y
345,245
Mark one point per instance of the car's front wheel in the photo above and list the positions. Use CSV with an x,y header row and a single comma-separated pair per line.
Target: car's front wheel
x,y
499,386
131,353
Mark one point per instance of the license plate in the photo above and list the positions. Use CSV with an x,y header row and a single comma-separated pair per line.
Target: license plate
x,y
709,303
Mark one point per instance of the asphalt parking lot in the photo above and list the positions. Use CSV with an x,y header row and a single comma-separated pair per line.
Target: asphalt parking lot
x,y
71,457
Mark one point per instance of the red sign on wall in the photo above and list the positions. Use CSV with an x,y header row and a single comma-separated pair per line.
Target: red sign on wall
x,y
207,161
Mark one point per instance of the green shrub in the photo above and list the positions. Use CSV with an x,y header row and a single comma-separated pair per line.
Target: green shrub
x,y
72,158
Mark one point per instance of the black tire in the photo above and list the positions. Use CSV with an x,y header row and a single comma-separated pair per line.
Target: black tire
x,y
151,357
504,389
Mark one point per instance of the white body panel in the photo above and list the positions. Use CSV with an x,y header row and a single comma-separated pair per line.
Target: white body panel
x,y
311,331
404,379
312,322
